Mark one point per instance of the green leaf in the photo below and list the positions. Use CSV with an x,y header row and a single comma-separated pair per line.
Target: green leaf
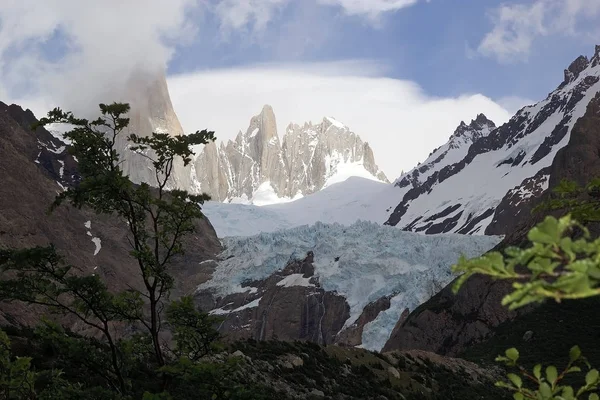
x,y
537,371
591,377
547,232
574,353
545,391
518,396
512,354
551,374
568,393
515,379
593,396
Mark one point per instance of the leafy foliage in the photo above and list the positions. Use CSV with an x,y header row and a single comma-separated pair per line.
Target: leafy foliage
x,y
547,383
125,355
583,203
557,267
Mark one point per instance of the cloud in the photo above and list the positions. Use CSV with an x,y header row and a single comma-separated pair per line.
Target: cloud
x,y
97,45
401,122
518,26
369,7
514,103
254,15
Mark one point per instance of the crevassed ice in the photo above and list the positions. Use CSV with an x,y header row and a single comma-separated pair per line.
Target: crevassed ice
x,y
374,261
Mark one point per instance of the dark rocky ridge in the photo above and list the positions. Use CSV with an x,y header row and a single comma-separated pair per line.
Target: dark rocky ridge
x,y
449,324
562,103
302,311
34,166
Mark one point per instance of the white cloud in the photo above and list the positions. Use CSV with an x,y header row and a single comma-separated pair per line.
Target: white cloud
x,y
401,122
517,26
514,103
254,15
105,42
369,7
240,15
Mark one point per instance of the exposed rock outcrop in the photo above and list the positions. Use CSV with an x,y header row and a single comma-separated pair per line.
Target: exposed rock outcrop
x,y
352,335
310,158
499,170
288,305
151,111
35,167
448,323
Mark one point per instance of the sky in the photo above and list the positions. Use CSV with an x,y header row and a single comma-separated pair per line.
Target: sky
x,y
400,73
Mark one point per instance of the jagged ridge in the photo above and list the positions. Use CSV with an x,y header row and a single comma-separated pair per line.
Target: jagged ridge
x,y
481,185
311,157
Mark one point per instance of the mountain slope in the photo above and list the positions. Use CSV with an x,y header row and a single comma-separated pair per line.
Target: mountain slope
x,y
258,168
34,168
451,324
501,169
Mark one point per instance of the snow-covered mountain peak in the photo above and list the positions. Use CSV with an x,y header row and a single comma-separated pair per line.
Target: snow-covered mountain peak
x,y
499,171
451,152
576,67
330,121
596,58
259,168
467,134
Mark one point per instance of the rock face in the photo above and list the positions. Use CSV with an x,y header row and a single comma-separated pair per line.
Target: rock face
x,y
288,305
498,170
35,167
448,323
151,111
257,167
315,153
329,283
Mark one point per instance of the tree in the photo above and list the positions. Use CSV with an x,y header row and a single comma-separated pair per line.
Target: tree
x,y
158,219
583,203
557,267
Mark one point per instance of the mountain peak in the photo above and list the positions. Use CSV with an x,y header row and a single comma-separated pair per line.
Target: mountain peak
x,y
576,68
267,109
263,125
482,119
480,123
596,59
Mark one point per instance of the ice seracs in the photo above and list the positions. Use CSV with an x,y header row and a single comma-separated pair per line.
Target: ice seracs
x,y
361,262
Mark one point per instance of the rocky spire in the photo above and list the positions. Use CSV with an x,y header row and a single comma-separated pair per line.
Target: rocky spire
x,y
595,61
576,67
480,123
151,111
302,164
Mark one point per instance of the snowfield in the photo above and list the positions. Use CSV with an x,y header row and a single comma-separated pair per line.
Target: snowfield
x,y
374,261
356,198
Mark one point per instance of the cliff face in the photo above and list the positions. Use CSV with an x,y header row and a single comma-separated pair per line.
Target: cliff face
x,y
35,167
449,324
500,171
257,164
151,111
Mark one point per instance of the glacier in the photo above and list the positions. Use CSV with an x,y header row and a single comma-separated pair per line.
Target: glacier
x,y
363,262
355,198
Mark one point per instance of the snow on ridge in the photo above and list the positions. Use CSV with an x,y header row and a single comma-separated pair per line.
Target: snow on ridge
x,y
221,311
491,175
344,202
374,261
96,240
295,280
335,123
